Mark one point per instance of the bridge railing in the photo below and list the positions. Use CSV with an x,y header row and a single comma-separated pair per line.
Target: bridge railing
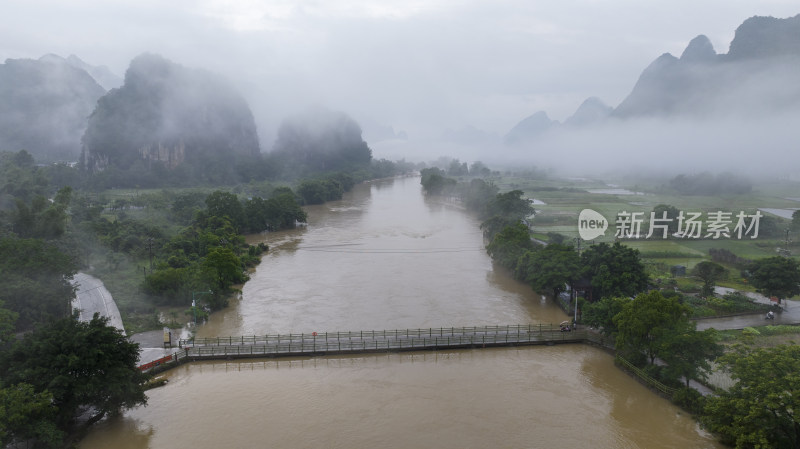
x,y
370,334
380,344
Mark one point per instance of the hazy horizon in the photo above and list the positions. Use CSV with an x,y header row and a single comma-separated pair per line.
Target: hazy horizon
x,y
425,69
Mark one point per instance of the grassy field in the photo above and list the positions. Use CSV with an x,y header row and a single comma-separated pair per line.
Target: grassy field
x,y
752,337
762,336
563,199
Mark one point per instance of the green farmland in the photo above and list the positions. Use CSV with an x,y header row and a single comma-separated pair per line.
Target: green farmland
x,y
559,202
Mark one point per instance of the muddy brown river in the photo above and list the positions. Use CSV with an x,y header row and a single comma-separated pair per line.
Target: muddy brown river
x,y
385,257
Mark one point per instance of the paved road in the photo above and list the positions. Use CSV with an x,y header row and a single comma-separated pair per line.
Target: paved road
x,y
789,315
92,297
151,344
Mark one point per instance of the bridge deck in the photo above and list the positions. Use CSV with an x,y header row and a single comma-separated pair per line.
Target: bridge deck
x,y
379,341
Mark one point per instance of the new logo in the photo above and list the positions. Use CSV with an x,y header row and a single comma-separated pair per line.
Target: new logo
x,y
591,224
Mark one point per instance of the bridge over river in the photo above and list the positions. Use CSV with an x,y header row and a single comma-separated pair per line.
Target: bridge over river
x,y
330,343
360,342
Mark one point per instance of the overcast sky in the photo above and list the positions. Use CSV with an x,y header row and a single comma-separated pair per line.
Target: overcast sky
x,y
420,66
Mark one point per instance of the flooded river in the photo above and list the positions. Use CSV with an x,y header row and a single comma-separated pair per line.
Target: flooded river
x,y
385,257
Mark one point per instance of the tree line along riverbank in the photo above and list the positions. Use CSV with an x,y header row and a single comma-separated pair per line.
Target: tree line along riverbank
x,y
650,321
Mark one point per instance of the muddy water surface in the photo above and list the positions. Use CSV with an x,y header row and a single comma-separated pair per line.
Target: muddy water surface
x,y
387,258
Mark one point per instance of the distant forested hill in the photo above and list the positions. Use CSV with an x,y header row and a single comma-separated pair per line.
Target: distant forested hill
x,y
169,120
759,76
43,107
318,141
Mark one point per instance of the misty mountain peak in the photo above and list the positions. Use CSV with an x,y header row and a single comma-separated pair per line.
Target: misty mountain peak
x,y
166,115
150,70
699,49
52,59
663,63
759,74
43,106
319,140
529,128
657,89
765,37
591,111
101,74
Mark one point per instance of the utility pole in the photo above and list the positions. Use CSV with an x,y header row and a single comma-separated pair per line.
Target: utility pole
x,y
194,303
574,293
150,250
786,242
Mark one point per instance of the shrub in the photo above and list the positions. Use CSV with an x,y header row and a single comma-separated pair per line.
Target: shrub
x,y
690,400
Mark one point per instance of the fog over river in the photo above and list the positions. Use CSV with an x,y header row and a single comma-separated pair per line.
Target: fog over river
x,y
385,257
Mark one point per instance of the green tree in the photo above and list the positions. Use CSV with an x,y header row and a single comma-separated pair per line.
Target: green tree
x,y
494,225
796,220
226,266
8,320
256,211
20,178
688,353
85,366
600,314
709,273
760,409
312,192
170,282
769,226
477,168
647,322
509,244
478,193
457,168
42,219
549,269
185,205
669,212
504,210
614,270
776,276
28,415
284,210
35,281
435,182
226,204
510,205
